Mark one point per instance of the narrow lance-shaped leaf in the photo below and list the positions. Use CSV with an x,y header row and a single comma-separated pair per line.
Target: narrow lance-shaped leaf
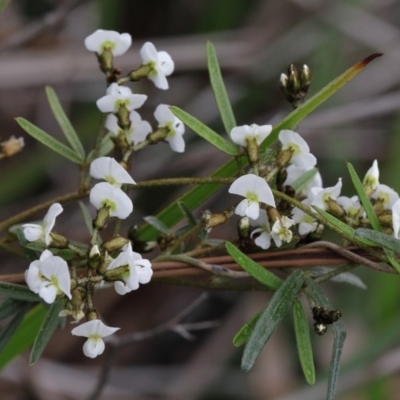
x,y
379,238
304,179
64,122
17,292
245,331
24,335
46,330
44,138
373,218
264,276
171,215
339,334
218,86
303,342
12,326
156,223
205,132
9,307
312,103
271,317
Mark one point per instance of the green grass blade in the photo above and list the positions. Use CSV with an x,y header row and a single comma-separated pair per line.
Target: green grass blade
x,y
245,331
264,276
44,138
382,239
46,330
24,335
218,86
64,122
171,215
339,333
205,132
18,292
271,317
303,341
293,119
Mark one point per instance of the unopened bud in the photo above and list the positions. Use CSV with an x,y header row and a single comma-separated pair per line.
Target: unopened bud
x,y
91,315
116,243
252,149
334,208
212,220
58,241
386,218
273,215
122,115
305,78
94,257
244,228
12,146
115,274
283,157
101,218
295,85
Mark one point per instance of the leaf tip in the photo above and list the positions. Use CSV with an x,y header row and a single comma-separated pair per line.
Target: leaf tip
x,y
363,63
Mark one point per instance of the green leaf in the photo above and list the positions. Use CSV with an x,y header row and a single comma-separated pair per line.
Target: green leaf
x,y
18,292
24,335
9,307
44,138
218,86
106,146
46,330
271,317
339,334
187,214
264,276
64,122
303,341
293,119
171,215
304,179
3,5
12,326
382,239
156,223
205,132
339,225
245,331
373,218
87,218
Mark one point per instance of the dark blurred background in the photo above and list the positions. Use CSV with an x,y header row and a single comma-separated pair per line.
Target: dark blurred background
x,y
41,43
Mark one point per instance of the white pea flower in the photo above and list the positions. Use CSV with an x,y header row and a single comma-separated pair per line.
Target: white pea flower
x,y
105,195
255,190
110,170
33,232
239,134
166,119
371,178
396,219
294,173
117,96
281,231
263,240
386,196
101,40
95,331
137,132
319,196
139,271
351,205
307,224
160,62
301,156
49,276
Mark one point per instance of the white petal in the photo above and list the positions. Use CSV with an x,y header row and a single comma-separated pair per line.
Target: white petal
x,y
263,241
93,347
109,169
176,142
166,63
159,80
108,103
55,269
148,53
289,138
123,44
239,133
50,219
121,288
253,210
112,124
163,115
33,232
396,219
305,161
33,277
48,293
120,43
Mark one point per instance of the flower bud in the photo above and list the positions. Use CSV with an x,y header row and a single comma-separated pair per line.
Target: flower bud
x,y
116,243
212,220
334,208
122,115
91,315
244,228
252,149
12,146
101,218
116,274
295,85
58,241
94,257
305,78
386,218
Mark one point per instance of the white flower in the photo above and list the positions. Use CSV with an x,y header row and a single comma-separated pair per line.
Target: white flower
x,y
110,170
319,196
371,178
301,156
239,134
281,231
307,224
136,133
139,271
294,173
263,240
49,276
116,43
95,331
105,195
255,190
166,119
396,219
351,205
33,232
160,62
385,195
118,96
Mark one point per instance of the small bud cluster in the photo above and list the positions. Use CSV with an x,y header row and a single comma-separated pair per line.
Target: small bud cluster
x,y
295,84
